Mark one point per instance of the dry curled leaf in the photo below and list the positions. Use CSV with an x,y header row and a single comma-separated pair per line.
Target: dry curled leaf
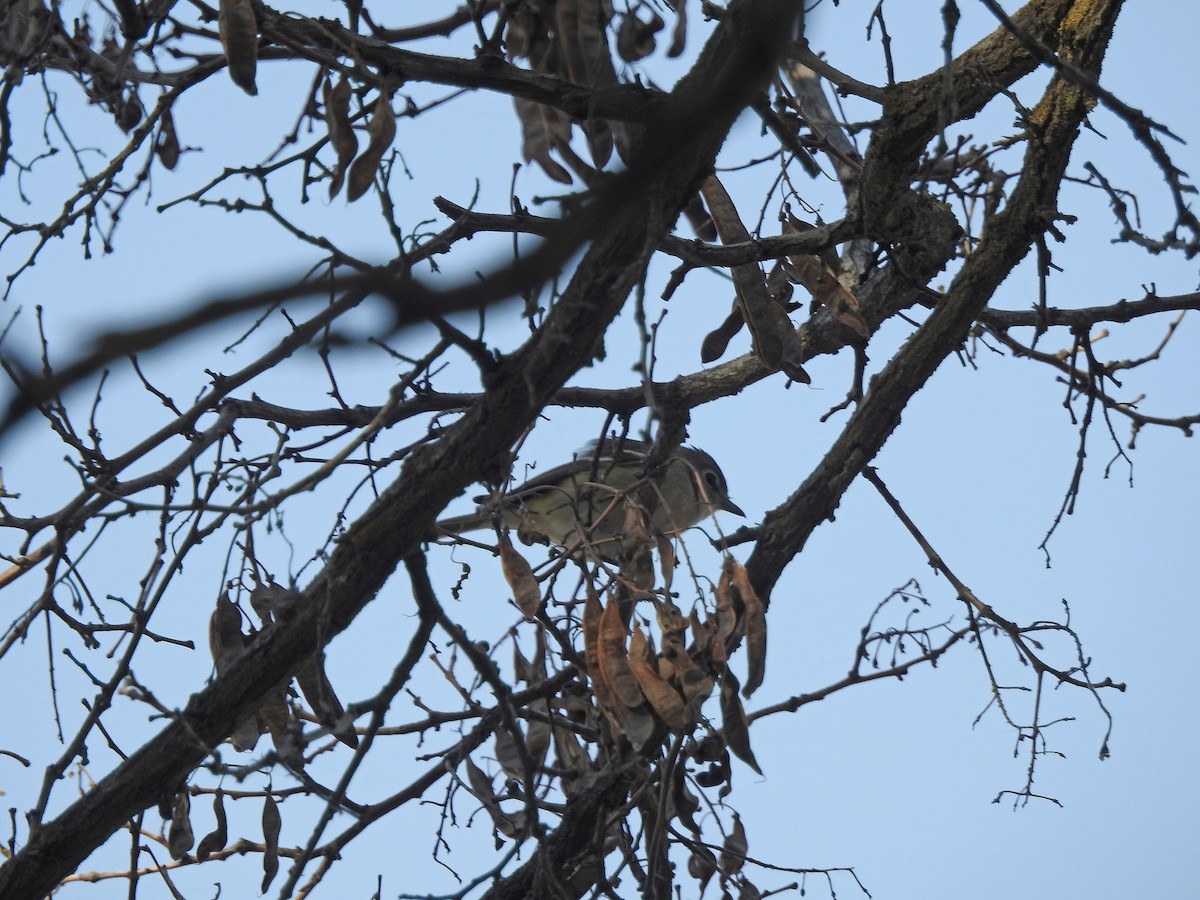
x,y
543,129
511,825
341,132
273,602
318,691
225,639
734,723
381,131
533,671
616,690
701,865
733,850
519,574
663,699
728,606
573,761
666,559
271,824
717,341
614,662
180,837
581,33
822,282
239,40
591,649
508,754
227,643
635,38
537,740
684,804
679,33
754,626
216,839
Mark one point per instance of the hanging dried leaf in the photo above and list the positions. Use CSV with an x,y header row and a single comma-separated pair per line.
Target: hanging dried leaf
x,y
573,761
679,34
216,839
522,668
822,282
733,850
635,38
613,660
684,804
566,17
728,605
271,824
701,865
754,626
581,32
592,34
774,339
717,341
537,740
317,690
225,639
481,785
541,131
664,699
697,686
715,774
681,668
671,624
245,733
273,602
508,754
180,837
599,72
525,30
602,690
733,721
519,574
511,825
276,717
381,131
341,132
666,559
239,40
166,145
718,650
641,727
637,572
747,890
600,140
226,643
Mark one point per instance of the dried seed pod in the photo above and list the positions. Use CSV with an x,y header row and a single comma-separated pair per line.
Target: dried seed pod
x,y
180,837
341,132
239,39
382,131
271,824
216,839
519,574
166,145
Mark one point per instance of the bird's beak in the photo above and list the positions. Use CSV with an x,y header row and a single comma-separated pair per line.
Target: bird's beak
x,y
729,506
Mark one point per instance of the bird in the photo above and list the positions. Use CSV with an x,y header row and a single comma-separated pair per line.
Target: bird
x,y
595,504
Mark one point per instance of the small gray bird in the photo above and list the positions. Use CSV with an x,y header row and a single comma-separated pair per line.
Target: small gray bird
x,y
593,500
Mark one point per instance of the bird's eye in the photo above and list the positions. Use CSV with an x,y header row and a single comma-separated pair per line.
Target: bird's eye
x,y
710,478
